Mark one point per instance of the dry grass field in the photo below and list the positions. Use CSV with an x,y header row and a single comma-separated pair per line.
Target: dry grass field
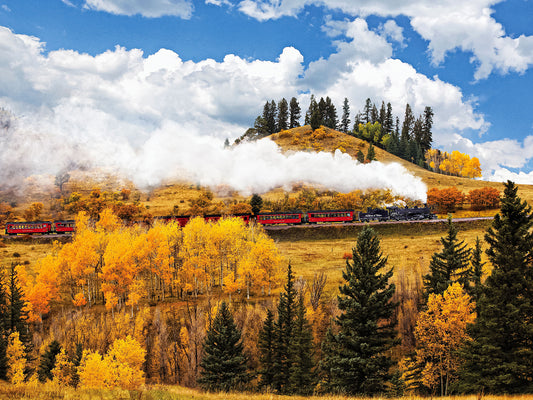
x,y
48,391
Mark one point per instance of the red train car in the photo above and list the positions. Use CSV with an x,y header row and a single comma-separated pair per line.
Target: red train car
x,y
182,220
67,226
314,217
274,218
28,228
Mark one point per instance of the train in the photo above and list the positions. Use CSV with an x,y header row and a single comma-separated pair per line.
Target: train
x,y
263,218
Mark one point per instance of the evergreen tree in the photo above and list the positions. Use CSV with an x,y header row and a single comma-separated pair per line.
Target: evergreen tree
x,y
4,310
17,319
267,338
374,114
388,125
367,111
360,156
382,114
345,122
48,361
294,113
408,122
283,115
301,370
316,119
313,106
371,153
269,117
256,202
357,122
393,146
500,357
283,356
76,361
427,136
449,265
357,360
329,116
223,363
473,284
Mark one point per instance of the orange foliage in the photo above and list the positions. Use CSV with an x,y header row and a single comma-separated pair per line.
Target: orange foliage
x,y
446,200
454,163
484,198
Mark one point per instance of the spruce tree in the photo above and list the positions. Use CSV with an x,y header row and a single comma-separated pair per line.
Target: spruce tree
x,y
357,360
17,319
345,121
473,284
223,363
265,345
48,361
500,357
283,115
301,371
367,111
408,122
283,356
427,136
449,265
3,328
388,125
360,156
371,153
329,117
294,113
256,202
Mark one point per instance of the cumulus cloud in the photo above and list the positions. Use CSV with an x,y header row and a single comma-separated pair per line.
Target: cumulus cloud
x,y
159,118
146,8
446,24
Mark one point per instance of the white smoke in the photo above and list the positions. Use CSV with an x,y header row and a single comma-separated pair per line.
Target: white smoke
x,y
173,153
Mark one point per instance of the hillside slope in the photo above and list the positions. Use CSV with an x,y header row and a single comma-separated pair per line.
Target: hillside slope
x,y
302,138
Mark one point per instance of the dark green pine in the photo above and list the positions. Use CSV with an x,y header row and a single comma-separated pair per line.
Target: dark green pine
x,y
267,339
48,361
450,265
223,363
358,359
4,312
500,358
284,330
18,317
301,378
473,285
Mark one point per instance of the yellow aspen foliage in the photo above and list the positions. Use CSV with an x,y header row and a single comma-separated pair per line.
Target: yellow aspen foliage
x,y
439,332
93,372
63,369
120,367
16,359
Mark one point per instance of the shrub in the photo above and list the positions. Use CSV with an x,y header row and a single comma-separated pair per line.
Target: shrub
x,y
484,198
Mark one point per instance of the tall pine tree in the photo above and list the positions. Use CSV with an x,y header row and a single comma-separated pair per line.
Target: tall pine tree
x,y
357,360
449,265
345,121
224,363
265,345
294,113
301,371
283,115
500,357
283,356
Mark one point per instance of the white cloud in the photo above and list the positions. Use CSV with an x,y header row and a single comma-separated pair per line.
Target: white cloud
x,y
146,8
392,31
446,24
159,117
6,8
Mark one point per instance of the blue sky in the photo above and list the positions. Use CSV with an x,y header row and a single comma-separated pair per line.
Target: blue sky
x,y
127,73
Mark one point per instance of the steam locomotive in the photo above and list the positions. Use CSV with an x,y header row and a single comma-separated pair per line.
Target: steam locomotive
x,y
264,218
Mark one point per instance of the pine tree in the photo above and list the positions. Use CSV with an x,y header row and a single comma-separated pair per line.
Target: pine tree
x,y
345,122
329,117
449,265
357,359
374,114
3,328
48,361
283,356
265,345
283,115
367,111
388,125
312,107
473,284
360,156
408,122
294,113
301,370
17,319
256,202
427,136
357,122
500,357
223,364
371,153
